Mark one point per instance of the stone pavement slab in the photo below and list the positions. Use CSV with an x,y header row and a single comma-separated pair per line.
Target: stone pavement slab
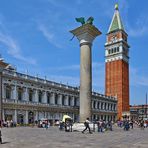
x,y
27,137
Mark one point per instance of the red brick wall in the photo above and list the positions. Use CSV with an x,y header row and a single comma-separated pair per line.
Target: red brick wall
x,y
119,35
117,83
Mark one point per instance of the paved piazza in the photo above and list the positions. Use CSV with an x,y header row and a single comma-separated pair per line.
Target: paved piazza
x,y
27,137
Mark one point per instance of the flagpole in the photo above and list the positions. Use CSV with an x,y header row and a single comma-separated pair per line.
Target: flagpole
x,y
146,105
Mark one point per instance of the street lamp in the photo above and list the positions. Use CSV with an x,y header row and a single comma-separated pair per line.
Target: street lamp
x,y
146,106
1,99
142,111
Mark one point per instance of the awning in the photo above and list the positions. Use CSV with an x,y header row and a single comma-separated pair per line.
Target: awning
x,y
66,117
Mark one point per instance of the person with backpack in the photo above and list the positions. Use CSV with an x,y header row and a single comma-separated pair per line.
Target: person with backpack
x,y
86,124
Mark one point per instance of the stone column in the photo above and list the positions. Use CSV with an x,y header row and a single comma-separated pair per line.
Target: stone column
x,y
59,99
36,116
3,91
72,101
14,93
44,97
100,105
96,105
26,117
85,34
35,98
25,94
3,114
52,98
15,115
66,100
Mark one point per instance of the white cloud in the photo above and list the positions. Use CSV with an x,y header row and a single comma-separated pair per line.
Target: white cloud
x,y
12,45
14,49
137,78
139,28
49,36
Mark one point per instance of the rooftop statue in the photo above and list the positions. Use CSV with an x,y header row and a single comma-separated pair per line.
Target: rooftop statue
x,y
82,20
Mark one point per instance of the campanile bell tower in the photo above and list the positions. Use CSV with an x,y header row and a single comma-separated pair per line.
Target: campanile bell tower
x,y
117,63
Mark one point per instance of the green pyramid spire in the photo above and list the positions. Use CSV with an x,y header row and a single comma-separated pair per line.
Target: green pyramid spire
x,y
116,21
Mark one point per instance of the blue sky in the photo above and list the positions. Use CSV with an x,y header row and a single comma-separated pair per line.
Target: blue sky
x,y
34,37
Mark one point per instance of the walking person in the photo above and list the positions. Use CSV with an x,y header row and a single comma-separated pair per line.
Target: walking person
x,y
86,123
131,124
142,124
100,128
110,125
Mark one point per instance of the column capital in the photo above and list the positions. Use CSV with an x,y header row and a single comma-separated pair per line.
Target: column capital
x,y
86,33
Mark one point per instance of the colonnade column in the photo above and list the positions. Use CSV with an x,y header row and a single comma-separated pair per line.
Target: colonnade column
x,y
66,100
52,98
15,115
26,117
14,93
59,99
36,116
36,99
25,95
3,91
72,101
44,97
3,114
85,34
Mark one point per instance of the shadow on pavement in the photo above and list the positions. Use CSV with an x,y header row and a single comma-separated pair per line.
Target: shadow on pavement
x,y
5,142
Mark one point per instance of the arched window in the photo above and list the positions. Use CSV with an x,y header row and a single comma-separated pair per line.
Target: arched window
x,y
56,99
111,107
30,95
98,105
69,101
75,101
63,98
8,92
108,106
48,98
109,51
105,106
40,96
114,107
20,94
94,104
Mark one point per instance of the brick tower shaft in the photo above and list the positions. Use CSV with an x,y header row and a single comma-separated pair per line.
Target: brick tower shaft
x,y
117,64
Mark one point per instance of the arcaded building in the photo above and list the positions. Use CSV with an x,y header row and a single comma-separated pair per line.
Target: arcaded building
x,y
26,99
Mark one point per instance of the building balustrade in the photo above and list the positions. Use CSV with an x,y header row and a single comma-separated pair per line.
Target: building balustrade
x,y
36,79
101,110
23,102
